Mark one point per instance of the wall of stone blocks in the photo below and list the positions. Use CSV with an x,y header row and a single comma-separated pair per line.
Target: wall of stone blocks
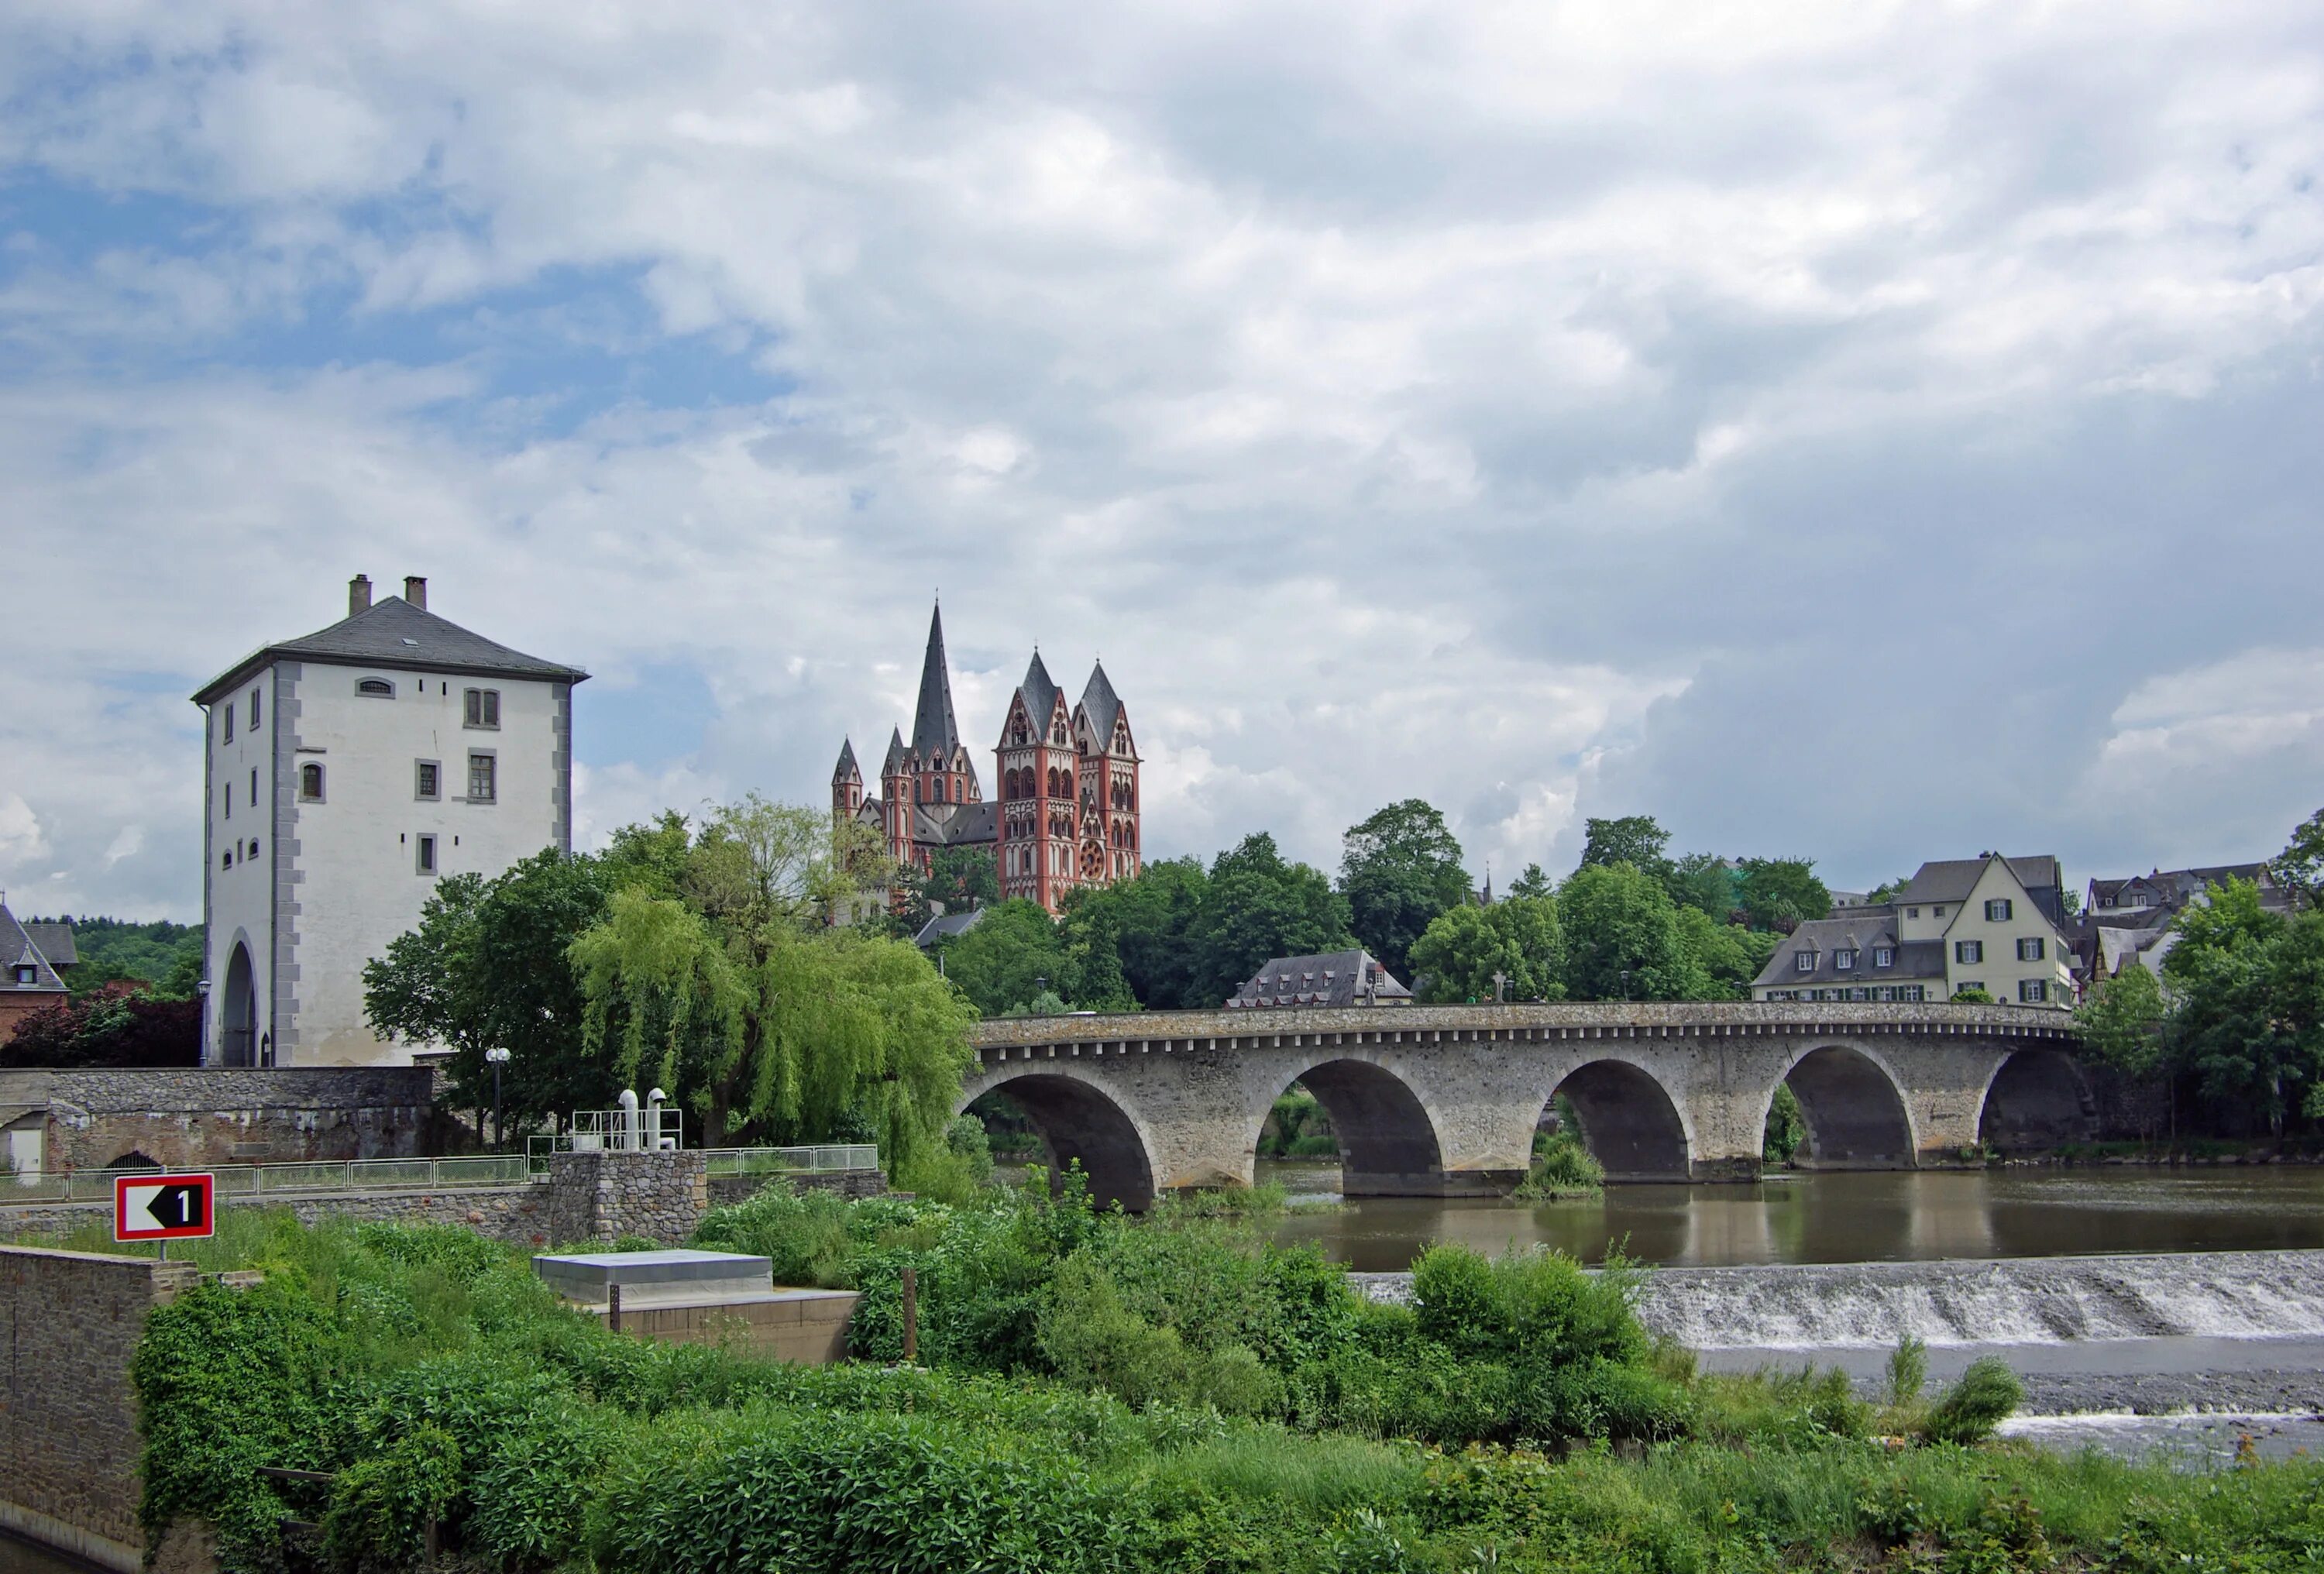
x,y
518,1215
601,1196
196,1117
68,1441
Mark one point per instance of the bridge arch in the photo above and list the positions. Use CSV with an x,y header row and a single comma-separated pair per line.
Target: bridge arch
x,y
1387,1142
1854,1104
1081,1122
1629,1122
2037,1099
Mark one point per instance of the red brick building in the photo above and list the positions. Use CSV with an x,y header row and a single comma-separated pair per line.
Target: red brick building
x,y
1067,813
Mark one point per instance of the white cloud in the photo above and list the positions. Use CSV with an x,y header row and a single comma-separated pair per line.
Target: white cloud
x,y
1809,421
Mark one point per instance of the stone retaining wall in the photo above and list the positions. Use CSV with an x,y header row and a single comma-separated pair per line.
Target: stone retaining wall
x,y
196,1117
602,1195
517,1214
851,1185
69,1439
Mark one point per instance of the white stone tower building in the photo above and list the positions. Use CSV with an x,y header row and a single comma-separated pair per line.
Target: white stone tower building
x,y
347,772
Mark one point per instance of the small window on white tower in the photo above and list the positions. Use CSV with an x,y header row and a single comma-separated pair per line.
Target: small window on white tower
x,y
311,782
375,688
483,707
426,860
482,783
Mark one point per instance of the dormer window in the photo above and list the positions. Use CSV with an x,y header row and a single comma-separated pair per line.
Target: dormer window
x,y
25,975
1805,962
1843,961
1884,956
374,688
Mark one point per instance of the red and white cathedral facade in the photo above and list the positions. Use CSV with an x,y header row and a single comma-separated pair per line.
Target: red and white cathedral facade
x,y
1068,814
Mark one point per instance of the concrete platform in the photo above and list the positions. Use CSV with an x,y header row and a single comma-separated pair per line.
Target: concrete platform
x,y
655,1278
713,1298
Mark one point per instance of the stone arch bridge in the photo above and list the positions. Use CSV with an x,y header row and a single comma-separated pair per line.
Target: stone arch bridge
x,y
1443,1100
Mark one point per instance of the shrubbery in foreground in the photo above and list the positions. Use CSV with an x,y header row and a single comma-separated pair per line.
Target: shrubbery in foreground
x,y
437,1378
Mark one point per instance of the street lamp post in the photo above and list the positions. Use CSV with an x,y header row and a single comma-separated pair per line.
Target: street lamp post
x,y
497,1058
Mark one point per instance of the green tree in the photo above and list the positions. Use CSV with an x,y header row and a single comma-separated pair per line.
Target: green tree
x,y
1704,882
1888,891
1518,937
650,856
1532,882
487,968
1398,869
1636,840
756,864
1152,919
2122,1022
2248,987
1259,907
1623,940
957,879
1781,893
2300,867
1729,955
1012,955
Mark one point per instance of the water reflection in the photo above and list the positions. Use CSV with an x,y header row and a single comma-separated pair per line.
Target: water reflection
x,y
1846,1218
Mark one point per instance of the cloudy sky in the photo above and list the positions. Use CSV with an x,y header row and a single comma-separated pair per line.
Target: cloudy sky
x,y
1865,431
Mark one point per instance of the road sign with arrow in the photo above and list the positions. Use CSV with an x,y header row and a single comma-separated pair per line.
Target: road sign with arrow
x,y
162,1207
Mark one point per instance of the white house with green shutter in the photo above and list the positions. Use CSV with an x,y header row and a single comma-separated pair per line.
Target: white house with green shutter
x,y
1989,923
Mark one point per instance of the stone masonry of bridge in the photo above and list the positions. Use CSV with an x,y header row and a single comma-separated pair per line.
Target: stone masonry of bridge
x,y
1443,1100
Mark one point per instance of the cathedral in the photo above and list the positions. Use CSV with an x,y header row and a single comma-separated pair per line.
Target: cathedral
x,y
1067,815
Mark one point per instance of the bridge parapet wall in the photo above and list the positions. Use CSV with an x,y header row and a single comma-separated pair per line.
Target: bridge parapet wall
x,y
1444,1100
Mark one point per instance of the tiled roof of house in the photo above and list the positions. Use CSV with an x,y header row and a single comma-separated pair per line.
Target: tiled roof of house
x,y
1950,880
1337,979
966,826
392,633
56,943
1863,932
18,950
944,925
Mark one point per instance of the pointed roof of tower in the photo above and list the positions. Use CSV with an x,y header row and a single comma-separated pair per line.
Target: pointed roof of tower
x,y
846,769
1101,704
895,749
1040,692
934,734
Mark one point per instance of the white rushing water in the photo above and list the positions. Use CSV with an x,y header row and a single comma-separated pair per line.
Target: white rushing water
x,y
2032,1300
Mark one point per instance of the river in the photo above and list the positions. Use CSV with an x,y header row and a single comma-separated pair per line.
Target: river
x,y
2172,1310
1923,1216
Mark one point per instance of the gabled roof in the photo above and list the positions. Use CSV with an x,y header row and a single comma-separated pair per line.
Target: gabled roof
x,y
392,633
847,771
1950,880
934,734
966,826
944,925
1864,931
1338,978
56,943
17,950
1039,693
1100,706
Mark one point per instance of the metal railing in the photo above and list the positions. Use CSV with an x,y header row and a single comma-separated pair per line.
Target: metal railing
x,y
243,1180
779,1161
650,1129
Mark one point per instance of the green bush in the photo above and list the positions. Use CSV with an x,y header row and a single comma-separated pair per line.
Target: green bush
x,y
1984,1397
381,1505
804,1233
806,1492
1561,1165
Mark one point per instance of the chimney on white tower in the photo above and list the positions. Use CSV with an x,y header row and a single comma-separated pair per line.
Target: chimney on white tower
x,y
415,591
359,595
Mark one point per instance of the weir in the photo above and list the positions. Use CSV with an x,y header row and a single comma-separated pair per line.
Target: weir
x,y
1443,1100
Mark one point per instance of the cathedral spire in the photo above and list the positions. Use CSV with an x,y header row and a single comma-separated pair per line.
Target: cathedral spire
x,y
934,734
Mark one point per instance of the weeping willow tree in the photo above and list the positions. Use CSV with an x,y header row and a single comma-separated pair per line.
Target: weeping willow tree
x,y
775,1032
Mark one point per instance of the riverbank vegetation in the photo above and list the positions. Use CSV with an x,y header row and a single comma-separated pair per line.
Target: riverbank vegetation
x,y
1098,1394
